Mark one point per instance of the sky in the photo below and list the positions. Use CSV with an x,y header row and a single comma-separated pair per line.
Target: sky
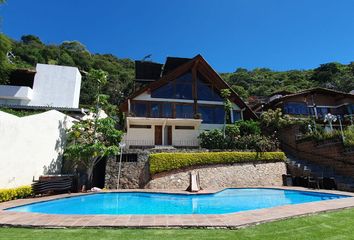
x,y
276,34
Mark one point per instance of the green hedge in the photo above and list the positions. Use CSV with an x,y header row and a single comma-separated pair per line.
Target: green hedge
x,y
162,162
15,193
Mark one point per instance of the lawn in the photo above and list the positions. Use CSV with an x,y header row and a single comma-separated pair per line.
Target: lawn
x,y
335,225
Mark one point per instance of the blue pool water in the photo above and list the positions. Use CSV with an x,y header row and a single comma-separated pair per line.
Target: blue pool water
x,y
226,201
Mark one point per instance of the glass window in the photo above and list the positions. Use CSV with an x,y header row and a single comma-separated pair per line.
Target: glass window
x,y
351,109
322,111
219,115
207,114
166,91
212,114
184,91
185,78
184,111
181,88
205,91
167,110
140,109
296,108
155,110
236,115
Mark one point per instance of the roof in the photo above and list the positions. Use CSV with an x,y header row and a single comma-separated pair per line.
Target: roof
x,y
313,91
147,70
203,67
172,63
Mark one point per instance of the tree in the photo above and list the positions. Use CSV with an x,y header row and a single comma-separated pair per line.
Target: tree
x,y
5,66
225,94
92,139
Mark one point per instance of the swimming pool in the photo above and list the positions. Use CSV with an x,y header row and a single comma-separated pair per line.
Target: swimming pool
x,y
227,201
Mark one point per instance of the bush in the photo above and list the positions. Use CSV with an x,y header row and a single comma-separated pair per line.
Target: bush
x,y
257,143
15,193
214,139
162,162
249,127
349,137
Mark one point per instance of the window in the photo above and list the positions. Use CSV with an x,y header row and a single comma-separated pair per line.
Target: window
x,y
212,114
184,111
296,108
236,115
139,109
166,91
351,108
139,126
167,110
205,90
181,88
129,157
155,110
184,127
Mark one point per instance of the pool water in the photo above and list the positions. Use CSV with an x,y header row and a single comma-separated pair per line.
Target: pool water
x,y
227,201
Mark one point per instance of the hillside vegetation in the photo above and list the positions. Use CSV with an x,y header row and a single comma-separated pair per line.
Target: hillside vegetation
x,y
260,81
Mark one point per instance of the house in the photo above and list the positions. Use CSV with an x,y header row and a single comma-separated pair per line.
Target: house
x,y
48,86
176,101
315,102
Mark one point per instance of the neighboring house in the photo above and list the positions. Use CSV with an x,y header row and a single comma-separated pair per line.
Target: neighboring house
x,y
48,86
176,101
315,102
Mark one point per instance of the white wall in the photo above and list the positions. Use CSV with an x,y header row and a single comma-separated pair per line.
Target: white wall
x,y
56,86
30,146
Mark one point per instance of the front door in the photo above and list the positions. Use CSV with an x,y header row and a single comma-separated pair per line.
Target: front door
x,y
169,135
158,135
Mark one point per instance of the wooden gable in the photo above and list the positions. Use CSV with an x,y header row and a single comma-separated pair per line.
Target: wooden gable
x,y
195,65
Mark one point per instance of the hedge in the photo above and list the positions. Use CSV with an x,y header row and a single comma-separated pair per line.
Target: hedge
x,y
15,193
162,162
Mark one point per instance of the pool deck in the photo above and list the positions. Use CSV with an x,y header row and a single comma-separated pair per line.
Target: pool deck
x,y
231,220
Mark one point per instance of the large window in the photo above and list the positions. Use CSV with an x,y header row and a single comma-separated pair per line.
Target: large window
x,y
181,88
184,111
205,90
167,110
166,91
155,110
212,114
139,109
296,108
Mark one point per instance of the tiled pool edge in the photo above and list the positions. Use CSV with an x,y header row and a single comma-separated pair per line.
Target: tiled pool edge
x,y
232,220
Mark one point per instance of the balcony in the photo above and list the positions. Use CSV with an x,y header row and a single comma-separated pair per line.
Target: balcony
x,y
15,92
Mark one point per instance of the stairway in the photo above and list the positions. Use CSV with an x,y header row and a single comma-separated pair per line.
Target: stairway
x,y
305,168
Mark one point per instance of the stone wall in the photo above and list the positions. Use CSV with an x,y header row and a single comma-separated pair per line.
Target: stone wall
x,y
137,175
223,176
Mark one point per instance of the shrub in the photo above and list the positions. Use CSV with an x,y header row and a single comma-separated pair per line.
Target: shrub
x,y
212,139
349,137
15,193
249,127
162,162
257,143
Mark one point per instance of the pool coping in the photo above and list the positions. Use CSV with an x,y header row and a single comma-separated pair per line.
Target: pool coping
x,y
229,220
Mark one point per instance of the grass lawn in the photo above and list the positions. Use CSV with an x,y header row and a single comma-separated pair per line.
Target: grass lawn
x,y
335,225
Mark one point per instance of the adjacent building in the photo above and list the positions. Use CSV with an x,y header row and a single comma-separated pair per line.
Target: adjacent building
x,y
174,102
48,86
315,102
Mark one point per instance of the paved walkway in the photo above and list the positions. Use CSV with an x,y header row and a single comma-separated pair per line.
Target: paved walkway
x,y
233,220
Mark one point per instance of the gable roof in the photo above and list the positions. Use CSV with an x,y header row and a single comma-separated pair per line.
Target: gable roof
x,y
202,65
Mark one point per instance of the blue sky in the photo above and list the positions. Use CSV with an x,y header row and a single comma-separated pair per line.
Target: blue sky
x,y
278,34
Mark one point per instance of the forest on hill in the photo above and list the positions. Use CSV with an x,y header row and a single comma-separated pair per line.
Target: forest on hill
x,y
29,50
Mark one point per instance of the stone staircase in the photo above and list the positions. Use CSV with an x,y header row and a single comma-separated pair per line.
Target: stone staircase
x,y
301,167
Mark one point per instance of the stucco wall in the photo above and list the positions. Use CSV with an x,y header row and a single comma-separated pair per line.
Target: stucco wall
x,y
30,146
224,176
57,86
